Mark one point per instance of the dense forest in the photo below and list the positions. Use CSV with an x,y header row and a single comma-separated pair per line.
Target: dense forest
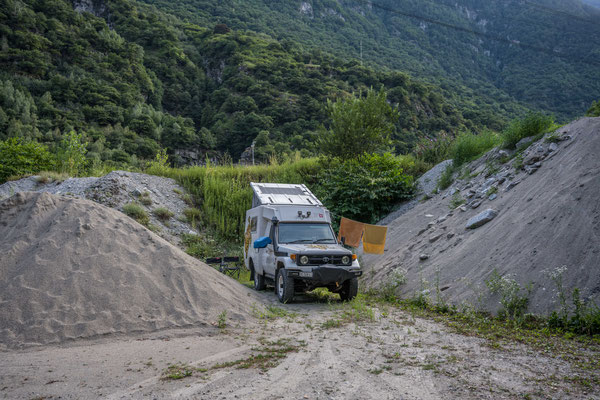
x,y
544,53
130,79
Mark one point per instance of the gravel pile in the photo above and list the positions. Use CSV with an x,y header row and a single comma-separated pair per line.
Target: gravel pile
x,y
115,190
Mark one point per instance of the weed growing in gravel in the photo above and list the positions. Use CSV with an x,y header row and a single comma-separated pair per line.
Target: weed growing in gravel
x,y
513,301
222,320
177,371
269,355
397,279
357,311
446,178
518,162
492,190
162,213
456,201
271,312
578,318
137,212
45,177
145,199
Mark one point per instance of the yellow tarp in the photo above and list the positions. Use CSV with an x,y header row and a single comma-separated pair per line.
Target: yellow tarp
x,y
351,231
374,238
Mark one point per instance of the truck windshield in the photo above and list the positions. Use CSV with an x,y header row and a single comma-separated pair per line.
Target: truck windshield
x,y
306,233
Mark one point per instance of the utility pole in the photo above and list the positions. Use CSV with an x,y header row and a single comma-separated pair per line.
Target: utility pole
x,y
252,147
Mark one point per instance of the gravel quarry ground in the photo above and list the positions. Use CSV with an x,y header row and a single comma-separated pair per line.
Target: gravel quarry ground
x,y
54,344
312,350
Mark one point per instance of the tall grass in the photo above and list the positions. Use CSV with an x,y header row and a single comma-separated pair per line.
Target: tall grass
x,y
223,192
533,124
468,146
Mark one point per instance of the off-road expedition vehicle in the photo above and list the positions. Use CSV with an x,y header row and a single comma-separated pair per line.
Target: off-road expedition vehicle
x,y
289,243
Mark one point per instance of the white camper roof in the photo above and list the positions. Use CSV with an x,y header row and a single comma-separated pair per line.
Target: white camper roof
x,y
282,194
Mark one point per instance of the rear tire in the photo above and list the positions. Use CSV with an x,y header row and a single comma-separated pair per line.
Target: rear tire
x,y
284,286
349,289
259,280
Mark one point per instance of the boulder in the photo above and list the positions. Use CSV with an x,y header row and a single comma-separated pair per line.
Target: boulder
x,y
481,218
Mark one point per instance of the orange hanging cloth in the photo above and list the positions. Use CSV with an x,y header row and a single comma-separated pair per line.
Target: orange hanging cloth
x,y
351,231
374,239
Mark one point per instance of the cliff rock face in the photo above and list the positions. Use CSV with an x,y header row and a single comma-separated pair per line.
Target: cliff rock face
x,y
546,228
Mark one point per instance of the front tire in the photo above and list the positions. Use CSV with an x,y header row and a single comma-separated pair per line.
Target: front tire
x,y
349,289
284,286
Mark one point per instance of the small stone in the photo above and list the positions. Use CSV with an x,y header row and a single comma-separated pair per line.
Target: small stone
x,y
501,180
553,147
422,231
450,235
429,225
429,215
512,185
441,219
476,204
481,218
136,193
434,238
492,197
463,208
423,257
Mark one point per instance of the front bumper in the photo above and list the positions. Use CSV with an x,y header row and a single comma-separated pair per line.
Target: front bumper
x,y
325,275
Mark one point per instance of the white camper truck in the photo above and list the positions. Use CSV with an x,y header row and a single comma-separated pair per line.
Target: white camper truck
x,y
289,243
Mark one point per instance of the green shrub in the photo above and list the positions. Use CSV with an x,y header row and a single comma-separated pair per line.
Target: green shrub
x,y
366,189
446,178
594,110
137,212
20,157
531,125
162,213
469,146
434,150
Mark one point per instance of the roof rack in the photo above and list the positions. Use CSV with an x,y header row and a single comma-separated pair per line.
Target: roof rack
x,y
282,194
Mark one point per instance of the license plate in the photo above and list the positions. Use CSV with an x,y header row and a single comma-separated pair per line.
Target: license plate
x,y
306,274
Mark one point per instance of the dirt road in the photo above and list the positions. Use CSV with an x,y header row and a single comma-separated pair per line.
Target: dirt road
x,y
318,356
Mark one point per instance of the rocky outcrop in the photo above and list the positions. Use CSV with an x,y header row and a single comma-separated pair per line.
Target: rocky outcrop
x,y
541,212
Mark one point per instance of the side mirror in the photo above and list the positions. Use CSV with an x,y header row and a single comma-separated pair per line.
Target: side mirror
x,y
343,241
262,242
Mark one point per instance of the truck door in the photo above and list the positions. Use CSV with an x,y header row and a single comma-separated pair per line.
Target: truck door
x,y
267,255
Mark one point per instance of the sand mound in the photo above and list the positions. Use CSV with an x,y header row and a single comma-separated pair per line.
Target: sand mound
x,y
548,217
71,268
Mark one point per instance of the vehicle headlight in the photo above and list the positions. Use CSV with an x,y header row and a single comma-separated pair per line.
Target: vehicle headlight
x,y
345,260
304,260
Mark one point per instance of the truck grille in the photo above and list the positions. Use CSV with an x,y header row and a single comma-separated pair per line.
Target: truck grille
x,y
329,259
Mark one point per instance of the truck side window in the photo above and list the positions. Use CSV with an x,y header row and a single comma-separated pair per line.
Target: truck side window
x,y
253,224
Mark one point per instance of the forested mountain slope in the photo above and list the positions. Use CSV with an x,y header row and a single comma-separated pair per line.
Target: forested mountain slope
x,y
132,79
545,53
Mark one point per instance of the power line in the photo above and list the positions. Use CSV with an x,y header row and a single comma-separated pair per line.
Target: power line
x,y
482,34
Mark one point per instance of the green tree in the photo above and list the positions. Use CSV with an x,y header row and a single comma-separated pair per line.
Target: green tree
x,y
20,157
71,153
359,125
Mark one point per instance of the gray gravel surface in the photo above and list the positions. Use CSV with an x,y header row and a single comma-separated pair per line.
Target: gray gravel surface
x,y
115,190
